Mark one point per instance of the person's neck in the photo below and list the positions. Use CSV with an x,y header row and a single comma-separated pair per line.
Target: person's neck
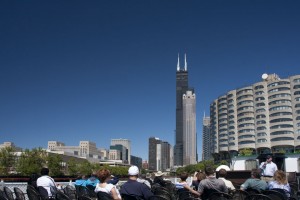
x,y
134,178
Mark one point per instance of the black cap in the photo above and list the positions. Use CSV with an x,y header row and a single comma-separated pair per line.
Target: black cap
x,y
269,156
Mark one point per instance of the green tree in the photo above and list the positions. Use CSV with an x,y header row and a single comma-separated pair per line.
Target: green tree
x,y
31,161
7,160
85,168
246,152
72,167
54,162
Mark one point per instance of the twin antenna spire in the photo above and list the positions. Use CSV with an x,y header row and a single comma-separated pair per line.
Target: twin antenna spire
x,y
185,63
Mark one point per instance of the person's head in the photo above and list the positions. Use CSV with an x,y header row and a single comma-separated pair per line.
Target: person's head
x,y
269,158
159,173
159,180
184,176
255,173
44,171
280,177
222,173
209,170
200,176
133,171
103,175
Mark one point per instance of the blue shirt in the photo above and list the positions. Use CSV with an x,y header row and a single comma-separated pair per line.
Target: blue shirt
x,y
92,181
275,184
132,187
254,184
80,182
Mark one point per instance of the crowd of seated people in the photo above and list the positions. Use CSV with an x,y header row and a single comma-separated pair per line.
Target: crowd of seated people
x,y
201,187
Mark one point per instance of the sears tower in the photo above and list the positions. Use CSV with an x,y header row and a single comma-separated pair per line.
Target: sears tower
x,y
185,144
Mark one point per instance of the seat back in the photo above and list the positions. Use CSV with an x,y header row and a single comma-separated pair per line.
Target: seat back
x,y
32,194
70,191
207,192
286,193
257,197
157,197
163,193
252,191
239,194
3,195
61,196
43,192
130,197
19,194
274,195
82,191
104,196
220,196
183,194
9,194
84,198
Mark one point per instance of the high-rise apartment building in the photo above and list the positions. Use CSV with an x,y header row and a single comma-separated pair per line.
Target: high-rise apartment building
x,y
207,139
159,154
264,117
126,143
181,92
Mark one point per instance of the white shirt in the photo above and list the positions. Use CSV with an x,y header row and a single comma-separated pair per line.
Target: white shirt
x,y
144,182
270,168
46,182
107,189
228,183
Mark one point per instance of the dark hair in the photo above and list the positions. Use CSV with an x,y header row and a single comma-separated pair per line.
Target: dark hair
x,y
44,171
159,180
255,173
209,170
222,173
200,176
32,179
184,176
103,174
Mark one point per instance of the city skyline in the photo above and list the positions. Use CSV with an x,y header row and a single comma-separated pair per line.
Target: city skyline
x,y
72,71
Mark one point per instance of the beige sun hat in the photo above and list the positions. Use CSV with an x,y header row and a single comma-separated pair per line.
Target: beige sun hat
x,y
159,173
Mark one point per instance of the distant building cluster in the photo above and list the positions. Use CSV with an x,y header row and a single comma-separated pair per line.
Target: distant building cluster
x,y
160,155
264,117
119,152
10,144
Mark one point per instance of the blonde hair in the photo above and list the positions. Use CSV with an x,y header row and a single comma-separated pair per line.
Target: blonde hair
x,y
280,177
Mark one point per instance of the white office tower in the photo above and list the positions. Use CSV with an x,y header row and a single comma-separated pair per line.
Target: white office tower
x,y
189,128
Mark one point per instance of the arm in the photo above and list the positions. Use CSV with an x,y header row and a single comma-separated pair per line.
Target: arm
x,y
191,190
114,194
245,185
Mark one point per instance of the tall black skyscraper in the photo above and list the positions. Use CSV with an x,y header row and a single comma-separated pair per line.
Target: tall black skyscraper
x,y
181,88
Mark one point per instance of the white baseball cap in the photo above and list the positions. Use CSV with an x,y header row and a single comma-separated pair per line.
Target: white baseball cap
x,y
133,170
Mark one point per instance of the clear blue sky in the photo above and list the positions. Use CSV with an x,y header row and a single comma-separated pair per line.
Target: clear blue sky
x,y
99,70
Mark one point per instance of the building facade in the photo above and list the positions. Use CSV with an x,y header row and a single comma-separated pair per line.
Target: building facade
x,y
11,145
207,140
264,117
126,143
189,128
123,152
86,149
181,89
159,154
137,161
